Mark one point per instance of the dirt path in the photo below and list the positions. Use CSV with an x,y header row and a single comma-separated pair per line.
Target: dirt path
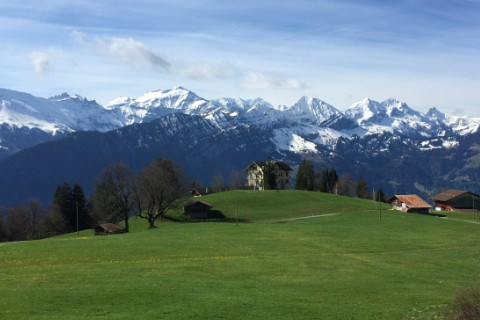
x,y
467,221
299,218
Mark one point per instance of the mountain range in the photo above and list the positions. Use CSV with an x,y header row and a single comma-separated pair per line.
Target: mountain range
x,y
44,142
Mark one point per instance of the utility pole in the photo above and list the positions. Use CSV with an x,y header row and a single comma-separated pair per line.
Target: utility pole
x,y
78,233
236,216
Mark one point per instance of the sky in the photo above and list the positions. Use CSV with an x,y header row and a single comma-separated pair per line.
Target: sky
x,y
425,53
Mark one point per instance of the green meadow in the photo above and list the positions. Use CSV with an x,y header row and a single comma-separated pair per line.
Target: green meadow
x,y
346,266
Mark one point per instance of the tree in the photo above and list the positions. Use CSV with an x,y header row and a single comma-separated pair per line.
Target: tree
x,y
347,185
379,195
113,197
71,202
332,180
237,179
157,189
305,176
269,176
35,214
217,182
362,189
324,181
54,222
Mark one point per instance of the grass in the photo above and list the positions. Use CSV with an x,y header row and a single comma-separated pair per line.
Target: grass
x,y
347,266
256,206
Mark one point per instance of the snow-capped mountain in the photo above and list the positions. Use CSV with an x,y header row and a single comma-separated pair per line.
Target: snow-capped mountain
x,y
63,113
304,127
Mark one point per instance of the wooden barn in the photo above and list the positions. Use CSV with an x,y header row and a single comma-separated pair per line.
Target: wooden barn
x,y
409,203
108,228
456,201
197,209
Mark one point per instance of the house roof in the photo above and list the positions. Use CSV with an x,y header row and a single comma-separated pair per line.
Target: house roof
x,y
412,201
261,164
448,195
194,202
111,227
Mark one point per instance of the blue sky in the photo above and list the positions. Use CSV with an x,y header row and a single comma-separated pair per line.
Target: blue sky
x,y
425,53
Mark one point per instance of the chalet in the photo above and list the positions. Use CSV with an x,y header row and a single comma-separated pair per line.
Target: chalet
x,y
255,174
196,209
108,228
456,201
409,203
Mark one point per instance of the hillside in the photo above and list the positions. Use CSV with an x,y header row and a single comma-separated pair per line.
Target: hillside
x,y
346,266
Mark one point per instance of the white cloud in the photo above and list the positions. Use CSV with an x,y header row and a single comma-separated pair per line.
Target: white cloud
x,y
257,81
128,50
136,53
40,62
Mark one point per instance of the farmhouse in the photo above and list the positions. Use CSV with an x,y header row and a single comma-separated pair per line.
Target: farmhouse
x,y
456,200
108,228
255,174
409,203
197,209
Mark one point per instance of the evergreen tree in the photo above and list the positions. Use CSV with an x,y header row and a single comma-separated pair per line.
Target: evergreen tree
x,y
362,189
379,195
305,176
300,181
269,177
324,184
79,202
332,180
66,200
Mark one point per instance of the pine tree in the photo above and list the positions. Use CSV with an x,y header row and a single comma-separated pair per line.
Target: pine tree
x,y
332,180
324,184
269,177
66,200
305,176
379,195
80,206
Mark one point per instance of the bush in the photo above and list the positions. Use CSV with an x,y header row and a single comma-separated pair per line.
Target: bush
x,y
466,305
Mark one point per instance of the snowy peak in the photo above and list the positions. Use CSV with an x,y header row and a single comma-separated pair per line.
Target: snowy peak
x,y
397,109
366,111
63,113
313,109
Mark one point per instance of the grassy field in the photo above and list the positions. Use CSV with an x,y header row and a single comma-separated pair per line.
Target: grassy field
x,y
346,266
256,206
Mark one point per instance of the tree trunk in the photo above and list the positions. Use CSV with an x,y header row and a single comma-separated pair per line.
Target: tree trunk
x,y
151,224
126,224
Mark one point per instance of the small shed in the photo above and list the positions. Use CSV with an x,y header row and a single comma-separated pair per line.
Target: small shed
x,y
457,201
409,203
197,209
108,228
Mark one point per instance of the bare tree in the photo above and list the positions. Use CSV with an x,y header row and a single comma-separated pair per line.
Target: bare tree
x,y
18,224
217,182
54,223
113,197
237,179
347,186
157,189
35,215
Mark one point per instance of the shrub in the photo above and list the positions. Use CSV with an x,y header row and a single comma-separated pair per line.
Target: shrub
x,y
466,305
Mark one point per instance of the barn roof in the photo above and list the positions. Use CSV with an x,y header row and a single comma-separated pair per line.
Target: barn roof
x,y
412,201
191,203
448,195
111,227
